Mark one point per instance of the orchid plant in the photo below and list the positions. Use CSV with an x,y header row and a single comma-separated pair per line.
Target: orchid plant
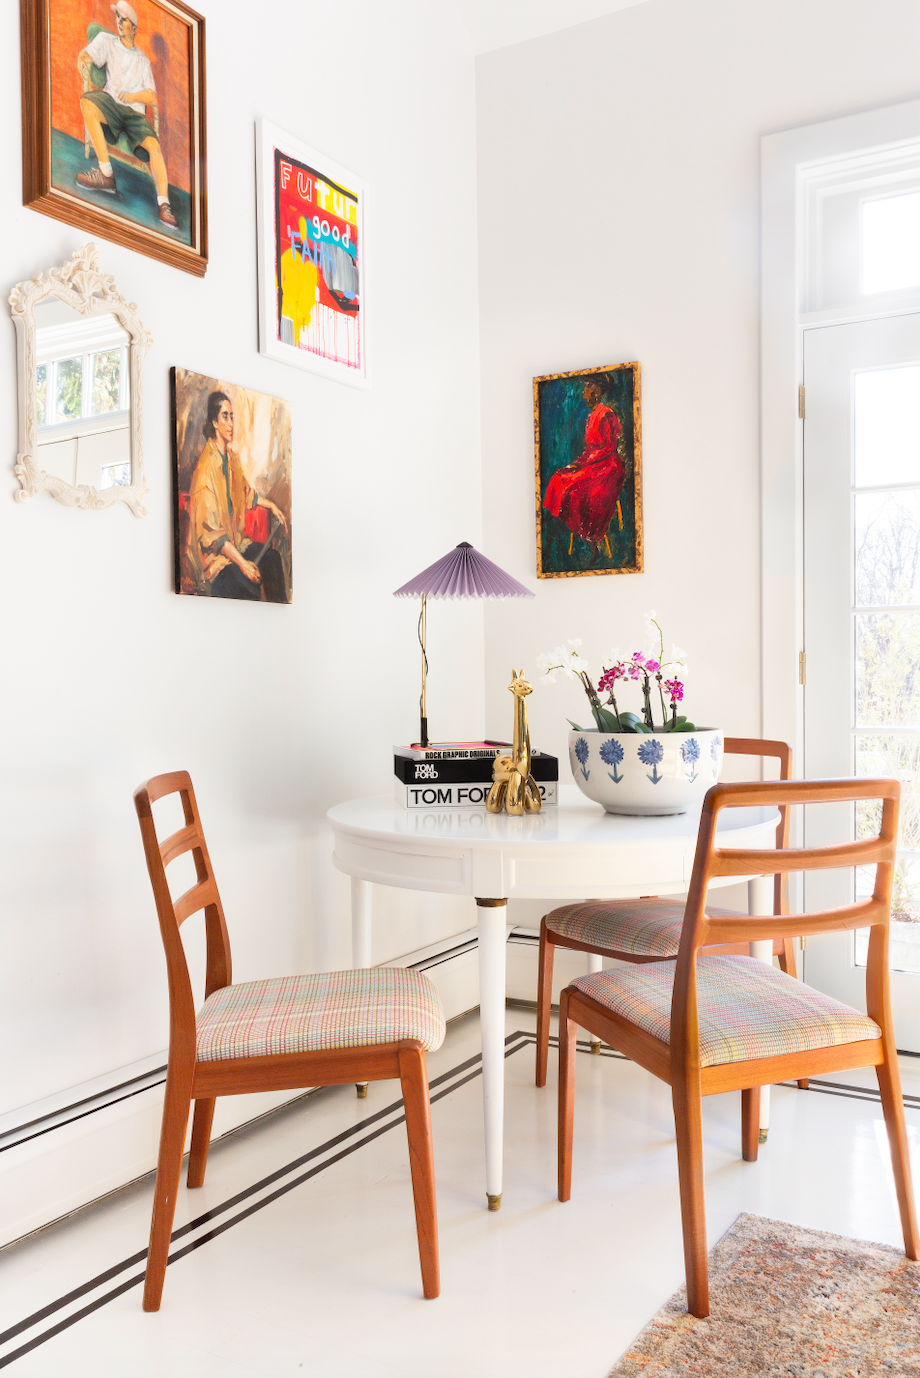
x,y
617,671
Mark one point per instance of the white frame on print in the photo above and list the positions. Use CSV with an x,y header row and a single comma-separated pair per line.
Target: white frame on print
x,y
270,138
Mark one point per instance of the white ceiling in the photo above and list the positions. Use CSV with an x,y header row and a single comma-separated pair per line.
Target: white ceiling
x,y
499,23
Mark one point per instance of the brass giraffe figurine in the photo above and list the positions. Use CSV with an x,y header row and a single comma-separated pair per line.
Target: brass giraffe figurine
x,y
513,787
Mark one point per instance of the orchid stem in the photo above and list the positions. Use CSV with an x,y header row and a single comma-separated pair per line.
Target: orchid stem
x,y
647,695
664,711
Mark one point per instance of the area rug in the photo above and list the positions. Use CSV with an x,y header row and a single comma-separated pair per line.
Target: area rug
x,y
791,1302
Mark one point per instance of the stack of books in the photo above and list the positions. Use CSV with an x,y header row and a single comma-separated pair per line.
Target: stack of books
x,y
459,774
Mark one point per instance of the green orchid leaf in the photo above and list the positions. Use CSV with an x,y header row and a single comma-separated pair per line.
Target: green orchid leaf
x,y
606,720
574,726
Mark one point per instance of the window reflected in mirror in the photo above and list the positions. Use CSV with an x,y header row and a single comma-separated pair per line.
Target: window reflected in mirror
x,y
83,404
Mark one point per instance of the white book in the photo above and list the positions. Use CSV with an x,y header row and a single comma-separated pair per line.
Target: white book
x,y
465,796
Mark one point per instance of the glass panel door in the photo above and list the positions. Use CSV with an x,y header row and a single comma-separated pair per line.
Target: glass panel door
x,y
862,625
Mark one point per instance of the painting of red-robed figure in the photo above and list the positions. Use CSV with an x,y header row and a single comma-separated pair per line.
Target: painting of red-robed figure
x,y
587,427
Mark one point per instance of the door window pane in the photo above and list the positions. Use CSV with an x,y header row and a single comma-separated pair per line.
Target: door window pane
x,y
68,389
898,756
106,381
887,547
887,417
891,242
888,669
904,934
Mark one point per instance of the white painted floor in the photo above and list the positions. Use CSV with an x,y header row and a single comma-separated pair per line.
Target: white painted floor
x,y
323,1280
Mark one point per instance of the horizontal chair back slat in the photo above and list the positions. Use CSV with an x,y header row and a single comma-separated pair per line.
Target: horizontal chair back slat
x,y
179,843
754,862
198,897
752,928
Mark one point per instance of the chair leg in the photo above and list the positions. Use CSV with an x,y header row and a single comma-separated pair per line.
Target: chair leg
x,y
750,1124
413,1076
688,1120
176,1106
568,1034
544,1000
889,1085
201,1138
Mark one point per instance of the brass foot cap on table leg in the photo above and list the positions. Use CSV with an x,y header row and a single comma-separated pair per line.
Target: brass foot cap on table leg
x,y
595,1047
361,1088
762,1137
495,1202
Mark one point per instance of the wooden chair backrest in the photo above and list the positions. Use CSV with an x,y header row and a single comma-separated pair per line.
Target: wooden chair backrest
x,y
751,746
173,913
712,860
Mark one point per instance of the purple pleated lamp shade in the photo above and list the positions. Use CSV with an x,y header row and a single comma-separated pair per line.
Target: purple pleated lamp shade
x,y
463,573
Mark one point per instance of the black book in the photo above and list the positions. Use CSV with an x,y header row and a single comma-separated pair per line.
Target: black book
x,y
542,767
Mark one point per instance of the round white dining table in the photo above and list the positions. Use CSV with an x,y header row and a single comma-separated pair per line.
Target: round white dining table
x,y
567,852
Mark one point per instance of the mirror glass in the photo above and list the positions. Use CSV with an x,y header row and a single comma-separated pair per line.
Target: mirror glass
x,y
82,396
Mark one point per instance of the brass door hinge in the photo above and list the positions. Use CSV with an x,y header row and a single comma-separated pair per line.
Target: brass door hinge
x,y
802,402
801,667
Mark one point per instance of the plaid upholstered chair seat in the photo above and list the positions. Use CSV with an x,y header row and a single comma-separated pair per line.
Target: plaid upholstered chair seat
x,y
747,1010
333,1009
643,928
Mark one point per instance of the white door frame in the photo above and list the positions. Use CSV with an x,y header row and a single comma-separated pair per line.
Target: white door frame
x,y
789,162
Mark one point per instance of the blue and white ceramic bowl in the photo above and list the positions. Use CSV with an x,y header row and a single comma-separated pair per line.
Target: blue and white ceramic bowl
x,y
646,773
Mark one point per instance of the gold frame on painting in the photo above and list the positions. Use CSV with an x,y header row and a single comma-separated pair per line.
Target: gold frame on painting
x,y
633,463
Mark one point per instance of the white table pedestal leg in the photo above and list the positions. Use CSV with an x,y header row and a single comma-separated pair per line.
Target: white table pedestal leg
x,y
760,901
361,916
595,963
492,916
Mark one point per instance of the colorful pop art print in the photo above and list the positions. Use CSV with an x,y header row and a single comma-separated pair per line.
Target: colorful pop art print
x,y
231,490
588,445
312,259
113,121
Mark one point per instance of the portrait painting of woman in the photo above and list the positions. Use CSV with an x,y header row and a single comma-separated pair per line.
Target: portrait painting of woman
x,y
588,469
233,491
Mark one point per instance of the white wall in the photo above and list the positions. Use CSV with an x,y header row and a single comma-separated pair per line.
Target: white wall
x,y
278,712
619,166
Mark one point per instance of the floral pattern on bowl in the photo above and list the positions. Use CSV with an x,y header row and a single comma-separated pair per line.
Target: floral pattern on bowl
x,y
652,773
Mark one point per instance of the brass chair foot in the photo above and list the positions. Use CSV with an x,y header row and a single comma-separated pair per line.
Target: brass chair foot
x,y
762,1136
596,1046
361,1088
495,1202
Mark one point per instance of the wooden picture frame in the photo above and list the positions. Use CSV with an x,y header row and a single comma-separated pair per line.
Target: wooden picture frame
x,y
588,463
68,100
312,214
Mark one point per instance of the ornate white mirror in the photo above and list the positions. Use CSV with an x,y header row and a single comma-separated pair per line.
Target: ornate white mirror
x,y
81,350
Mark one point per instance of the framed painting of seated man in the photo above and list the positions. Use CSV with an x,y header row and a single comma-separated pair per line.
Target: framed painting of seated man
x,y
588,440
114,122
232,490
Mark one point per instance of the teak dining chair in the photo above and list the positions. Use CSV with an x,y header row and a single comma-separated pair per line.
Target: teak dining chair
x,y
283,1033
735,1023
647,930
